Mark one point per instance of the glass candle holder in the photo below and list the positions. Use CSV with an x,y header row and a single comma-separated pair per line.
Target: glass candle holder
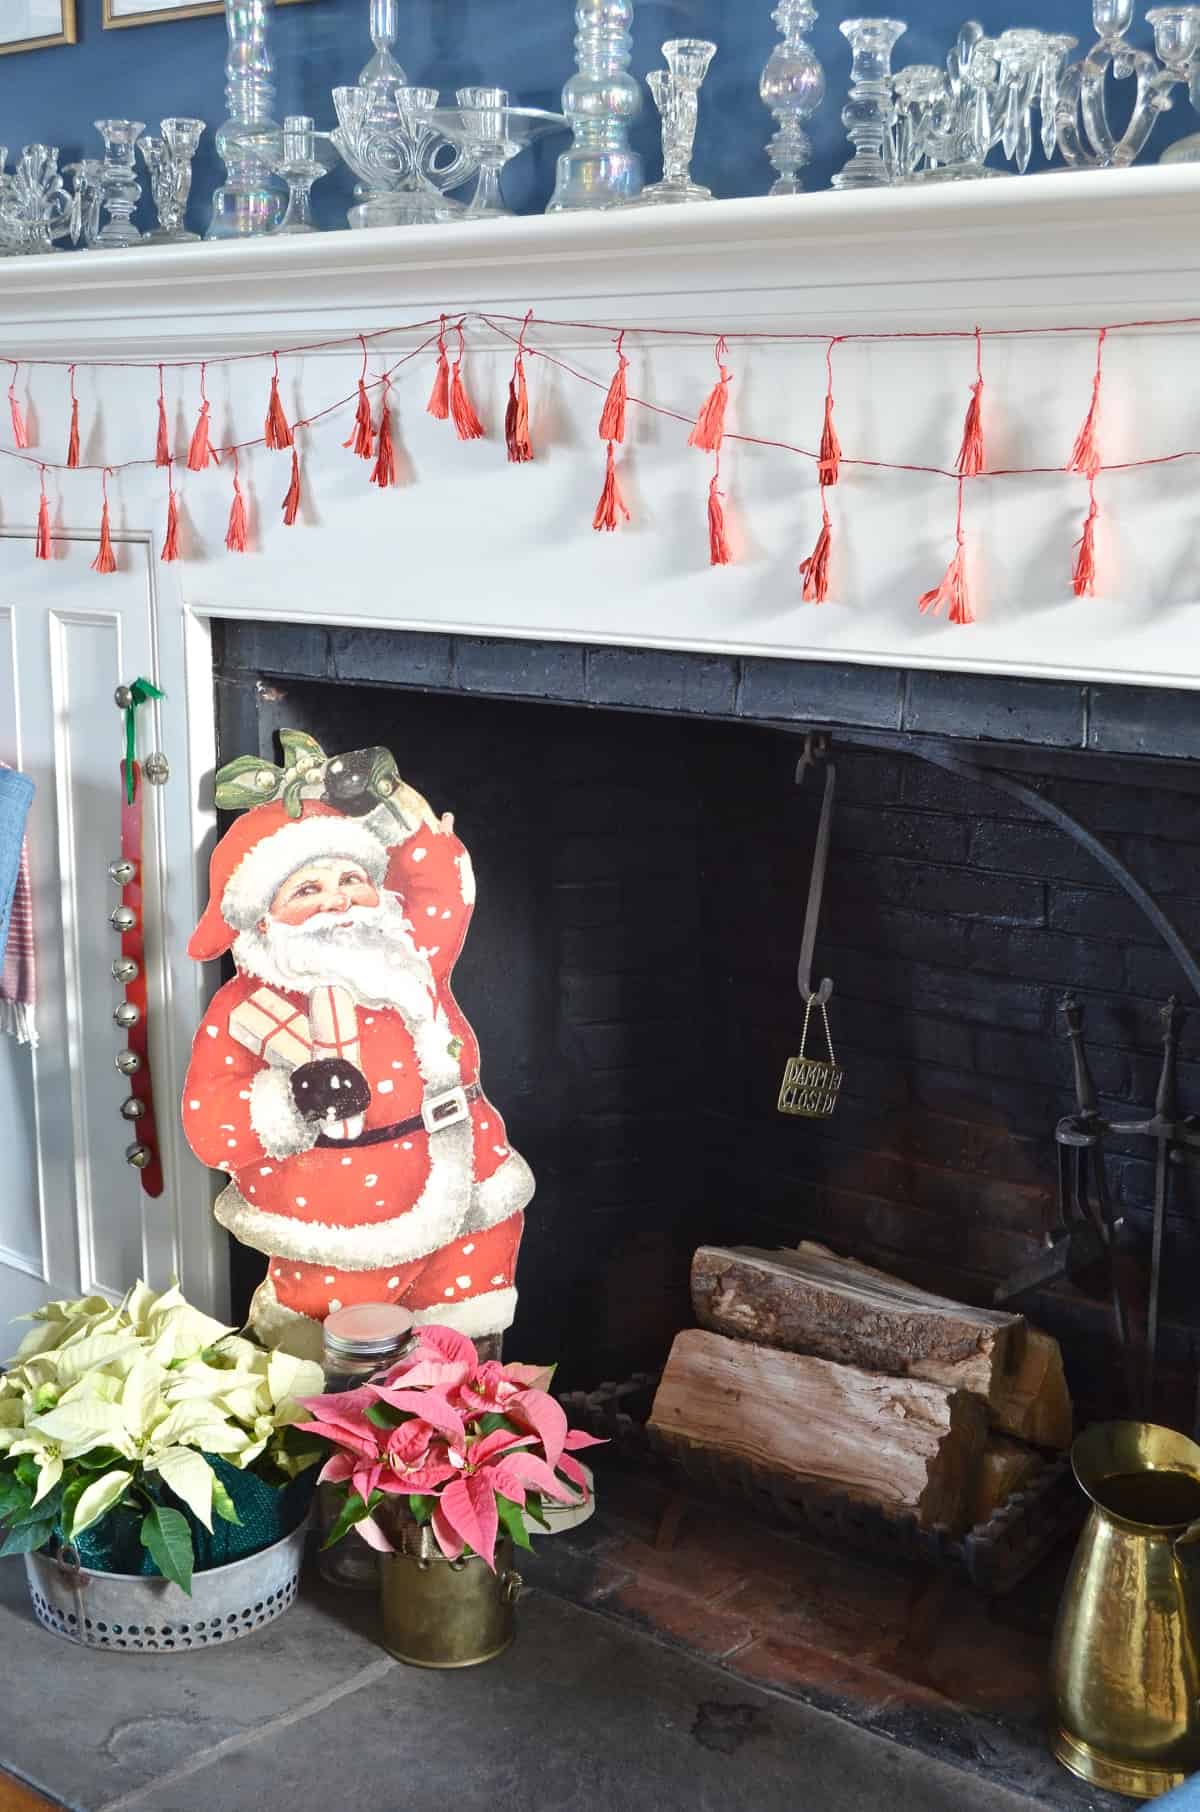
x,y
868,113
601,100
119,187
251,199
792,86
676,94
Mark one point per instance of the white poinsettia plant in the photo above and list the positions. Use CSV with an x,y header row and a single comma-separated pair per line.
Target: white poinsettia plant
x,y
116,1406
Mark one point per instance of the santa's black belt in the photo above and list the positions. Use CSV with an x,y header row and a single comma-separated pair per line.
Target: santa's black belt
x,y
449,1108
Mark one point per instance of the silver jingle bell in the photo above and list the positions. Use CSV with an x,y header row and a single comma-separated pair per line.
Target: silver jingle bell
x,y
122,918
122,871
133,1109
157,768
124,969
123,698
126,1014
138,1155
127,1062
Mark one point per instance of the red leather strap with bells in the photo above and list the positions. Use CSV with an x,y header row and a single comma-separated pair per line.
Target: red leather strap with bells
x,y
133,944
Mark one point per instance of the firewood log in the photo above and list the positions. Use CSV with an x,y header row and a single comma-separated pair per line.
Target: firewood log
x,y
905,1444
1032,1401
1004,1466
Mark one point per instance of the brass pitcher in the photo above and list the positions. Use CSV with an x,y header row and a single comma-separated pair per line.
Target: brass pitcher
x,y
1127,1646
445,1613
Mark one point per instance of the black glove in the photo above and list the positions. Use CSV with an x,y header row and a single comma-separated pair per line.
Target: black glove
x,y
330,1089
351,780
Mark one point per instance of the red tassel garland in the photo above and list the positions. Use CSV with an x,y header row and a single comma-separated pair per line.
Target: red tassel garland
x,y
951,591
73,440
1083,575
41,547
612,416
362,436
106,560
291,503
19,428
1085,454
162,444
970,453
516,417
170,546
709,430
815,570
383,473
235,535
829,458
439,397
201,452
718,546
277,431
466,423
611,501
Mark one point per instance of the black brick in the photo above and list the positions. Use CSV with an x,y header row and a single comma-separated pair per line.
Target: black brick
x,y
1163,866
655,679
519,669
1152,971
922,784
820,693
1040,1058
1094,913
987,707
1032,849
1144,720
925,835
973,894
1067,962
926,936
391,657
284,648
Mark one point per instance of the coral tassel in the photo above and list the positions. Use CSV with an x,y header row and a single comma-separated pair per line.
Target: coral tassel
x,y
1085,454
170,547
201,452
467,424
383,473
277,430
709,430
73,441
830,457
439,397
611,501
952,591
970,454
362,436
516,417
718,546
41,546
162,445
20,431
106,560
291,503
612,416
1083,576
815,570
235,536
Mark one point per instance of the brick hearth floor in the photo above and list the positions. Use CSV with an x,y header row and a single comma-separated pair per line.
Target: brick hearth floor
x,y
739,1669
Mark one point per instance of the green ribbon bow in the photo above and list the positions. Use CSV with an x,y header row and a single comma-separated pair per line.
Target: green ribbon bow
x,y
141,692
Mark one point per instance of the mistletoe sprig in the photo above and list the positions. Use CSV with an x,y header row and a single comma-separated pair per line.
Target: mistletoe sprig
x,y
252,780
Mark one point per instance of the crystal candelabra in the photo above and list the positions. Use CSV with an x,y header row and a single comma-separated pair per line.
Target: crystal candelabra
x,y
867,115
492,133
168,158
1085,136
251,198
35,209
600,101
305,155
792,86
120,190
676,93
398,154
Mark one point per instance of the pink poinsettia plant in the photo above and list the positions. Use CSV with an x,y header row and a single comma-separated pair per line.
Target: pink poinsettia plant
x,y
473,1445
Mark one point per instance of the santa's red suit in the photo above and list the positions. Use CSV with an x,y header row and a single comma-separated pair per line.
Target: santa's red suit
x,y
424,1206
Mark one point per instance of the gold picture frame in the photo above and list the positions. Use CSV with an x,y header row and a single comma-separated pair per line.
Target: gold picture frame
x,y
68,34
166,14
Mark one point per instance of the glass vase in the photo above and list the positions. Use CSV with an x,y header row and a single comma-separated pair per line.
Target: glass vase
x,y
251,199
676,94
120,190
168,158
601,100
868,113
792,86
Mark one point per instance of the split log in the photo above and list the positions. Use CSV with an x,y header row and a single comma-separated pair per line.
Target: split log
x,y
806,1299
1004,1466
1032,1401
904,1444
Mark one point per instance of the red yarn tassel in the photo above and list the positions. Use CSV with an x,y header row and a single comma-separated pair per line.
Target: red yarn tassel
x,y
41,546
19,428
709,430
1083,576
612,416
815,570
516,417
383,473
235,536
170,547
951,591
162,445
467,424
830,457
718,546
439,397
106,560
277,430
1085,454
201,453
291,503
970,454
73,441
362,436
611,501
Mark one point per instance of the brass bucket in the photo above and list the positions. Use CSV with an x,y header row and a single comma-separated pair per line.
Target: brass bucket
x,y
445,1613
1126,1655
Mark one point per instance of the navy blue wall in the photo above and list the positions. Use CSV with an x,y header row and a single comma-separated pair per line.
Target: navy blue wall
x,y
523,45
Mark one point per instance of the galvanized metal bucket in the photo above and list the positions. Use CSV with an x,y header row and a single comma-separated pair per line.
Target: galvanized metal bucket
x,y
445,1613
138,1614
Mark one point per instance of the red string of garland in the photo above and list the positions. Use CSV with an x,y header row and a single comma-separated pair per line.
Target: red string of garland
x,y
162,443
106,559
41,546
235,534
170,546
19,426
276,430
291,502
951,589
73,438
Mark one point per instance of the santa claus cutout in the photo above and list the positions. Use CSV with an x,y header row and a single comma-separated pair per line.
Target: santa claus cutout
x,y
335,1079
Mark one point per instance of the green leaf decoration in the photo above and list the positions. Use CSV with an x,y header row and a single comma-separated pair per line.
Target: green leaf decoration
x,y
36,1513
27,1537
97,1500
70,1497
292,797
15,1497
383,1415
100,1459
249,780
421,1506
27,1470
223,1504
512,1520
168,1539
352,1511
300,749
493,1421
533,1507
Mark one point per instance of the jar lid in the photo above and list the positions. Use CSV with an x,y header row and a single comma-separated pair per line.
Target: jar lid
x,y
367,1330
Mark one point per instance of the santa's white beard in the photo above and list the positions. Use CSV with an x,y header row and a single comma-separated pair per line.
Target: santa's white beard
x,y
373,955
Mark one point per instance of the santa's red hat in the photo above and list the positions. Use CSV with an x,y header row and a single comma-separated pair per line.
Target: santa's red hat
x,y
257,854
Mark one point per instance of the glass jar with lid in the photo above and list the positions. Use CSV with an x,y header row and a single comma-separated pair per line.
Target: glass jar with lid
x,y
360,1342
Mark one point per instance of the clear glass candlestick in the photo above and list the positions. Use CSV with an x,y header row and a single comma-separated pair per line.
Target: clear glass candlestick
x,y
84,178
492,133
305,156
601,100
792,86
868,113
676,93
120,189
1086,136
251,199
169,161
382,70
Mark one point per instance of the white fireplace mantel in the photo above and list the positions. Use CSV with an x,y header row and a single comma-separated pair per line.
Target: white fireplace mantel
x,y
468,543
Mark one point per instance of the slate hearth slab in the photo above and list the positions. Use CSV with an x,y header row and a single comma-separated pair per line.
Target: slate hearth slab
x,y
579,1715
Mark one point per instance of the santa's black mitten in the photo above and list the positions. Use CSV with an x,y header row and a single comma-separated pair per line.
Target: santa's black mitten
x,y
329,1089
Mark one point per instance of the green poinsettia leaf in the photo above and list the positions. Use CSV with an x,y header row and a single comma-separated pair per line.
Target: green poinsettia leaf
x,y
223,1504
15,1498
351,1512
383,1415
100,1459
25,1538
493,1421
97,1499
421,1506
533,1507
168,1540
512,1519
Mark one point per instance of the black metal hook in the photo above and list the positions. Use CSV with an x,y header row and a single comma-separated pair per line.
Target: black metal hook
x,y
816,748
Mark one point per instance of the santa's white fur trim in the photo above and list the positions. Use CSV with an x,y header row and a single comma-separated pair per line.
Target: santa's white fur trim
x,y
284,1330
489,1313
466,878
281,1129
436,1216
505,1192
261,873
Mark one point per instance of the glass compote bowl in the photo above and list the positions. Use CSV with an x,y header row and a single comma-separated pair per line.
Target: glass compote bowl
x,y
304,156
399,156
492,133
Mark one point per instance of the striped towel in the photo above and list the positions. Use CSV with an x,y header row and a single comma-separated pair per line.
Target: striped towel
x,y
17,991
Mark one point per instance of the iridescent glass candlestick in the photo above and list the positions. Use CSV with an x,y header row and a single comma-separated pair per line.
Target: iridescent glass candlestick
x,y
251,199
600,101
868,113
792,86
169,160
676,93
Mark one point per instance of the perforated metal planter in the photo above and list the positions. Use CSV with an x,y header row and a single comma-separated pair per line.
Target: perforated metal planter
x,y
126,1611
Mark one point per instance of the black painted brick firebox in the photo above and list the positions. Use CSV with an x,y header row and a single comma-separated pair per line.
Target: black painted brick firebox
x,y
643,864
